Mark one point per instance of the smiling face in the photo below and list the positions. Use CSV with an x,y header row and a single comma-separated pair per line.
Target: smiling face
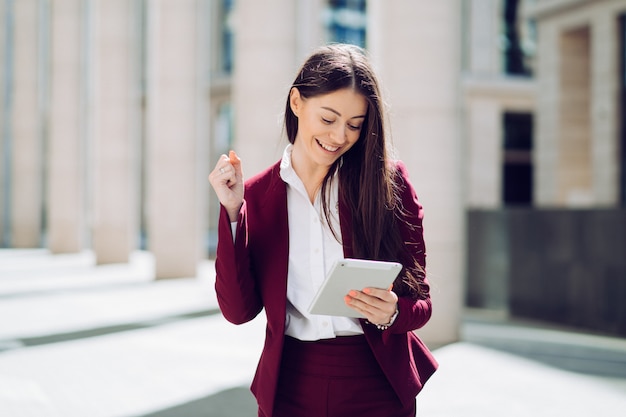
x,y
328,126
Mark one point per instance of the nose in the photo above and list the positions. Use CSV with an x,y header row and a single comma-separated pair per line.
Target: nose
x,y
338,133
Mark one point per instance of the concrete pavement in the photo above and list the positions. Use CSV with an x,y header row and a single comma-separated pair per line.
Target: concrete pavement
x,y
83,341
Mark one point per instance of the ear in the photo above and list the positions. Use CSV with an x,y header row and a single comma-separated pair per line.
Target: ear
x,y
295,101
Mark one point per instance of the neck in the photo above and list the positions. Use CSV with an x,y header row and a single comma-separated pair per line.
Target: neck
x,y
311,175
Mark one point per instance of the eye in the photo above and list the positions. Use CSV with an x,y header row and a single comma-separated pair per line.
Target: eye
x,y
326,121
355,128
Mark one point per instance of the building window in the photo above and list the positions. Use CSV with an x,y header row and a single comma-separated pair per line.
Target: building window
x,y
346,21
518,40
517,176
226,37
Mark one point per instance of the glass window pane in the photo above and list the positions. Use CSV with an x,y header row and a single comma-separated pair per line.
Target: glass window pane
x,y
517,172
346,21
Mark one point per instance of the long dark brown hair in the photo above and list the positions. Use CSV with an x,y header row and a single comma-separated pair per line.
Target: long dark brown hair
x,y
368,183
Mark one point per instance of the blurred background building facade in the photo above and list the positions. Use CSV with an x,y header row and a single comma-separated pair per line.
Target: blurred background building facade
x,y
508,113
545,138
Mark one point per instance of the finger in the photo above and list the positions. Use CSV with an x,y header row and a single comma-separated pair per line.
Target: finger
x,y
375,301
224,169
357,305
222,176
366,302
233,158
235,161
373,314
221,163
223,166
221,173
385,295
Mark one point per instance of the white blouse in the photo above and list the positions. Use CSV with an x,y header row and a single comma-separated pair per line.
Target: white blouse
x,y
313,249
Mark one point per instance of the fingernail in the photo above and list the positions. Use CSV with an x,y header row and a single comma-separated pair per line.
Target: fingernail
x,y
346,299
352,293
367,290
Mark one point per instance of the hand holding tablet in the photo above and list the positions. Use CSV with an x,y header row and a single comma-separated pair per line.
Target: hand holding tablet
x,y
350,274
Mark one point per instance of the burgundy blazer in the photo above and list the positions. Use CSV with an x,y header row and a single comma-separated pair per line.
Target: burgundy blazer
x,y
252,275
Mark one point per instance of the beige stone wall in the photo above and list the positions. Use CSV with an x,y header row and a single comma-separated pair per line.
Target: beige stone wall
x,y
419,64
547,128
66,158
482,27
2,120
578,80
605,111
485,102
310,32
176,162
114,155
265,66
27,161
484,152
574,143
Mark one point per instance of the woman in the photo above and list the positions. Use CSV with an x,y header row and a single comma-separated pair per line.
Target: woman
x,y
335,194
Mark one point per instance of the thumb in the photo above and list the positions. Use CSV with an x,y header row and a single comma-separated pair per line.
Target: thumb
x,y
234,160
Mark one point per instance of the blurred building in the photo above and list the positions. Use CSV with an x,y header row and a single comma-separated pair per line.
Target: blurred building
x,y
544,124
508,114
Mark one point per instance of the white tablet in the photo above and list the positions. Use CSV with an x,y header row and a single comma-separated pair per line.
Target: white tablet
x,y
351,274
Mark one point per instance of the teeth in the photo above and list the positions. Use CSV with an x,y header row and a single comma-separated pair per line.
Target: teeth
x,y
328,148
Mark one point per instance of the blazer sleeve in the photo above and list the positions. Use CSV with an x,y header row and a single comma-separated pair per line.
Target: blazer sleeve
x,y
236,287
413,313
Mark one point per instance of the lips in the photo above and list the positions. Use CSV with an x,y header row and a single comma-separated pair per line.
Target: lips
x,y
327,147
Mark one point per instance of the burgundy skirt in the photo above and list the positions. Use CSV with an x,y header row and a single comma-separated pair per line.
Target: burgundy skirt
x,y
334,378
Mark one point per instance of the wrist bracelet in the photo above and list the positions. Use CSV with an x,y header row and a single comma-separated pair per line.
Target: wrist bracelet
x,y
386,326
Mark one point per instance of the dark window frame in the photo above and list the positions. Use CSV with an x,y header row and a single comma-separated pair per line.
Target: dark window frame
x,y
517,167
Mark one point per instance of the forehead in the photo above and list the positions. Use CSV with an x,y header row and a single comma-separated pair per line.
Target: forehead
x,y
346,102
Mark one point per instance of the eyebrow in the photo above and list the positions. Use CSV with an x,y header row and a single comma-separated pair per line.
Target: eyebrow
x,y
339,114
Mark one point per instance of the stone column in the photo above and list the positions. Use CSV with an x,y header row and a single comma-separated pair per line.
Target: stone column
x,y
114,187
4,157
66,174
26,178
604,108
265,66
175,157
310,29
547,126
574,178
416,48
